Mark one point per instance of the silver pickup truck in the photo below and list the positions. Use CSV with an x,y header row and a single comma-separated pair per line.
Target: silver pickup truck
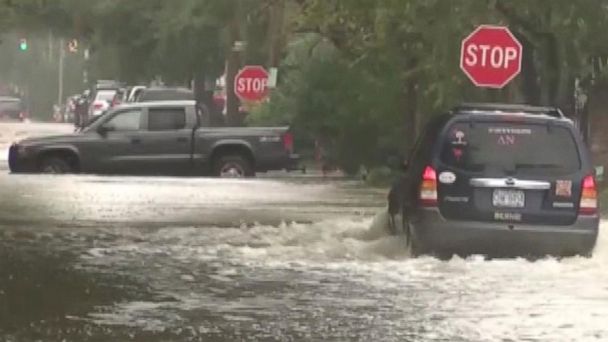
x,y
158,138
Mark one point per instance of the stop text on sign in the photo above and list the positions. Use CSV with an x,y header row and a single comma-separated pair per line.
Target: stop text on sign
x,y
246,85
491,56
487,55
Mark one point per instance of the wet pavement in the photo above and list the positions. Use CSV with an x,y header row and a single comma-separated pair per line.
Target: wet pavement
x,y
88,258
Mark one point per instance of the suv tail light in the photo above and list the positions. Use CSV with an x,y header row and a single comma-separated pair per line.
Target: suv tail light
x,y
288,142
98,105
588,205
428,188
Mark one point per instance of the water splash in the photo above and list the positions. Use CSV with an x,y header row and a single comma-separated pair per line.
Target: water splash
x,y
352,267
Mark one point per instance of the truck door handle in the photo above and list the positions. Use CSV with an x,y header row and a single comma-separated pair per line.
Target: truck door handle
x,y
182,140
135,141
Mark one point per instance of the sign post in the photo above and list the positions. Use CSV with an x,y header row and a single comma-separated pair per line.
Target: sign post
x,y
251,83
491,56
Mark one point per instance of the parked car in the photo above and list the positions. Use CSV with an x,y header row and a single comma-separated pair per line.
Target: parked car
x,y
12,109
102,101
103,95
164,94
499,180
119,97
158,138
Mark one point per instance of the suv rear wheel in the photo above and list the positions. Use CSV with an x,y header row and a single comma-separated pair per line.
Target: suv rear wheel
x,y
399,224
55,165
233,166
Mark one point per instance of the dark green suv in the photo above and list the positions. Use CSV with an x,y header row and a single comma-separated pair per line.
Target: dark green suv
x,y
499,180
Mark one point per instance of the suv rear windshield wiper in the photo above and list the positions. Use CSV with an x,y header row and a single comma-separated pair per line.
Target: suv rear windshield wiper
x,y
536,166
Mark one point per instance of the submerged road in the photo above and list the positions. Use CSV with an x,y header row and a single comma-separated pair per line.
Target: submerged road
x,y
88,258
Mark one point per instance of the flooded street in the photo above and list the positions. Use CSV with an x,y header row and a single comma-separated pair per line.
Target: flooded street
x,y
86,258
279,258
286,131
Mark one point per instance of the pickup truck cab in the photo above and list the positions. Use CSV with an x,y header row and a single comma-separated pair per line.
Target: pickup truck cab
x,y
158,138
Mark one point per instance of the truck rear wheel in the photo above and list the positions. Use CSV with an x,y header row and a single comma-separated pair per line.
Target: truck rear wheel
x,y
233,166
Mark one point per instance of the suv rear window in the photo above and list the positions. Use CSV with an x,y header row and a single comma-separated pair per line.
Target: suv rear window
x,y
505,149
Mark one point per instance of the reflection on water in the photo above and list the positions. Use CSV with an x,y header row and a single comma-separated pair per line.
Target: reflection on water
x,y
41,289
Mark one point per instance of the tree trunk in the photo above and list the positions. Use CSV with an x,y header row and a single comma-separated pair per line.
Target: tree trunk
x,y
204,96
409,104
233,64
552,59
275,32
529,73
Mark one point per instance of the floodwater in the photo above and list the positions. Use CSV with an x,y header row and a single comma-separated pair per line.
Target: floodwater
x,y
279,258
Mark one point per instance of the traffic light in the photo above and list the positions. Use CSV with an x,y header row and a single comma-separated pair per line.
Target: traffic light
x,y
23,44
73,45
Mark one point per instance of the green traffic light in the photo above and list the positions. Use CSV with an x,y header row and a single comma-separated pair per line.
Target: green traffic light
x,y
23,45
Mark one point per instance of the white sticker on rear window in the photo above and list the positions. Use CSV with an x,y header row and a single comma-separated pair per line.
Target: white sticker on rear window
x,y
507,130
458,138
506,140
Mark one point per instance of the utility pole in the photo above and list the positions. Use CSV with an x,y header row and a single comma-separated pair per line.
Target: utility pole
x,y
233,65
61,72
85,71
50,52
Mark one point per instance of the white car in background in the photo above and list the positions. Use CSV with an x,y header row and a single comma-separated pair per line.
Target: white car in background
x,y
102,101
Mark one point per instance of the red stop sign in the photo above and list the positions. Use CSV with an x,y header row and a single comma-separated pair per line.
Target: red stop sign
x,y
491,56
251,83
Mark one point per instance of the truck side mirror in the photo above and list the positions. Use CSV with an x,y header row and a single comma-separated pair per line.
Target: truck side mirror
x,y
104,129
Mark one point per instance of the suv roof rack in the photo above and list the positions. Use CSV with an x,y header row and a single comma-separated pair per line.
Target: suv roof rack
x,y
504,108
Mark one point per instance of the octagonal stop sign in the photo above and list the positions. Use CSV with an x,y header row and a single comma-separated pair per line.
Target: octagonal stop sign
x,y
251,83
491,56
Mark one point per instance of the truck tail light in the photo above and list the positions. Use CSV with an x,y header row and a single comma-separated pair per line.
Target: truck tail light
x,y
588,205
428,188
288,142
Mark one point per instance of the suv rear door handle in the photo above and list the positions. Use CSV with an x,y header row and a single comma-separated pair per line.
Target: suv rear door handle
x,y
182,140
509,183
135,141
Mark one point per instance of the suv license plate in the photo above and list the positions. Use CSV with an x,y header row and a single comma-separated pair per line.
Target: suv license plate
x,y
508,198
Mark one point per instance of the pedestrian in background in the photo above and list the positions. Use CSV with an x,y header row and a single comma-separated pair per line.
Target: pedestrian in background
x,y
81,112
